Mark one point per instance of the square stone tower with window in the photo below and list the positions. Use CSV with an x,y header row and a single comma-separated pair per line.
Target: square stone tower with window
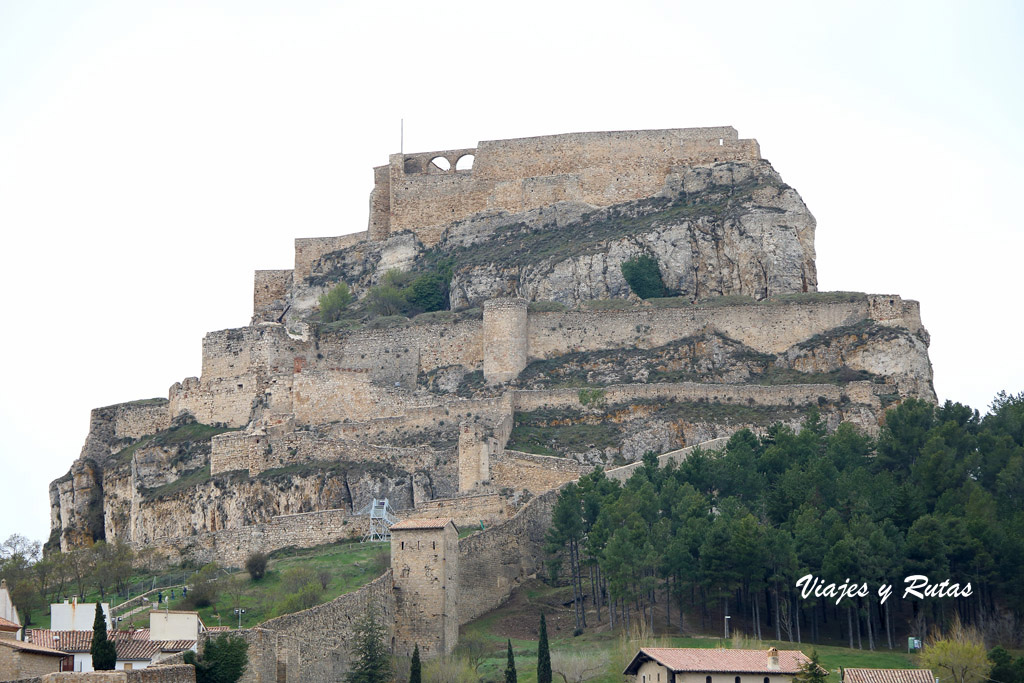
x,y
425,563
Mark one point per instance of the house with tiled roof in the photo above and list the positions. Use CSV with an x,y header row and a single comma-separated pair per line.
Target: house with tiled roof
x,y
704,665
886,675
134,648
19,659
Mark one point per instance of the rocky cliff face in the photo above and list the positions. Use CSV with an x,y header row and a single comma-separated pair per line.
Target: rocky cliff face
x,y
160,487
731,228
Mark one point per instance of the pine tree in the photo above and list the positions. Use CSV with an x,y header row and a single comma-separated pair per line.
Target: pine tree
x,y
510,668
371,660
415,669
104,652
543,654
811,671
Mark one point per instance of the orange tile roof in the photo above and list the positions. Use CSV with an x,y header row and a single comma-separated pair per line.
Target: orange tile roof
x,y
24,646
131,645
8,625
68,641
218,628
137,650
718,660
888,676
427,523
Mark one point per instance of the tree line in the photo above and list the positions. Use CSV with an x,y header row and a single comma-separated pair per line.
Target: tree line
x,y
35,581
939,493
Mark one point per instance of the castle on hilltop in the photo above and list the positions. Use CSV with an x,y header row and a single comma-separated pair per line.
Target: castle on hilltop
x,y
478,409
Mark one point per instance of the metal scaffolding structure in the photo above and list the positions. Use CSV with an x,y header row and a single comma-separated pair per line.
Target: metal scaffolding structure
x,y
382,516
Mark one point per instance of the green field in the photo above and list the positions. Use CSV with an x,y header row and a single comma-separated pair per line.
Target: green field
x,y
518,620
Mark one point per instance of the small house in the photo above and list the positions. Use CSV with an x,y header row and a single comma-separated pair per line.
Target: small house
x,y
718,665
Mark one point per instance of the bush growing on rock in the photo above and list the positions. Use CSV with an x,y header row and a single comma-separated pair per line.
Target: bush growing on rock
x,y
644,277
334,303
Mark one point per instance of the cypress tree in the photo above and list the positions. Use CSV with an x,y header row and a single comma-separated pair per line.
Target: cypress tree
x,y
103,651
510,668
543,654
415,669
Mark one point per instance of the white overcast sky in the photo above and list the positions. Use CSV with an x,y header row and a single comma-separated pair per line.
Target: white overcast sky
x,y
154,154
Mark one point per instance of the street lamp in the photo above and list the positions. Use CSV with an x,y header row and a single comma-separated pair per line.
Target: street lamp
x,y
239,612
727,617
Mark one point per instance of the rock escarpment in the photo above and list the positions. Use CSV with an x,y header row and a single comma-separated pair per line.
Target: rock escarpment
x,y
541,363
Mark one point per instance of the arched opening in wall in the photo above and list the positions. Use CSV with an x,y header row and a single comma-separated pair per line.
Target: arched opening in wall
x,y
465,162
439,164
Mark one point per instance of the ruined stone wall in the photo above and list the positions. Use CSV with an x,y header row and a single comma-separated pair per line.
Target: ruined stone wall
x,y
270,288
141,418
466,511
231,547
181,673
258,452
313,645
782,394
474,457
535,473
766,328
493,562
439,418
517,175
309,249
621,474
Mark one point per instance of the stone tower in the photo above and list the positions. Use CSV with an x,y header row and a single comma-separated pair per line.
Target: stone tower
x,y
425,563
505,321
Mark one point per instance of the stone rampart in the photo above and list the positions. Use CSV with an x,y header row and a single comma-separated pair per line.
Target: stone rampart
x,y
140,418
231,547
256,452
466,511
320,637
494,562
309,249
426,191
373,373
768,328
535,473
270,288
781,394
621,474
160,673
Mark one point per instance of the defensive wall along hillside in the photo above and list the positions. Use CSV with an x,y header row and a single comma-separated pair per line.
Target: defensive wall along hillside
x,y
368,374
412,601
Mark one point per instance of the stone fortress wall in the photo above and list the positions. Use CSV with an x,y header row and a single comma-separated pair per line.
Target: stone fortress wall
x,y
359,392
253,372
425,192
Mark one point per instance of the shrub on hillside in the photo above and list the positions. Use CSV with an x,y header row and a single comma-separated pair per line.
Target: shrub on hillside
x,y
205,587
644,277
334,303
256,565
